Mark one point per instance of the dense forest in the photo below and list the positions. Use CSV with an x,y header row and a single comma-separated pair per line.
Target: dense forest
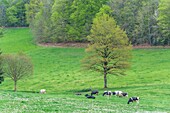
x,y
145,21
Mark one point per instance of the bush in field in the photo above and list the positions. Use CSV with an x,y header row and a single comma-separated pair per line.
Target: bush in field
x,y
16,67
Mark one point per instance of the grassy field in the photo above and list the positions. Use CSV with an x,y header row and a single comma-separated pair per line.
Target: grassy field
x,y
58,70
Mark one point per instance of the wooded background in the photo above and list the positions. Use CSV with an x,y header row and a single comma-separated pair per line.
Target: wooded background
x,y
145,21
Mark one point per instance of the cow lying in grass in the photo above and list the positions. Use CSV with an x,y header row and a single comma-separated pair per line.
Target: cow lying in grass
x,y
133,99
89,96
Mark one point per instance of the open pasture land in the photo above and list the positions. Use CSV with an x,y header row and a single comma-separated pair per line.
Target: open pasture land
x,y
58,70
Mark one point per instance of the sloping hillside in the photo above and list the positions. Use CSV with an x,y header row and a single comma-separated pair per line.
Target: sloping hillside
x,y
59,71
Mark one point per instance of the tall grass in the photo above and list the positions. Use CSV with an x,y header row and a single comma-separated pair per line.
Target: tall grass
x,y
58,70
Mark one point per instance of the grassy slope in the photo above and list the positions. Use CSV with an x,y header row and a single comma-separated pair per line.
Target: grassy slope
x,y
58,70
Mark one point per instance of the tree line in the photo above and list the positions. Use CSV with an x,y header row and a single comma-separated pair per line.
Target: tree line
x,y
12,13
145,21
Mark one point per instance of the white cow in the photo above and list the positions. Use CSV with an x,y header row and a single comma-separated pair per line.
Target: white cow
x,y
42,91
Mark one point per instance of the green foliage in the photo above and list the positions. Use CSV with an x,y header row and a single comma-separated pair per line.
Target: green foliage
x,y
109,46
66,20
38,16
71,20
13,13
82,15
150,24
145,21
60,20
138,19
164,17
31,9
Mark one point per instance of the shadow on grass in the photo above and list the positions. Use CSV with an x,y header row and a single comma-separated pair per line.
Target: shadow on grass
x,y
29,91
20,91
141,87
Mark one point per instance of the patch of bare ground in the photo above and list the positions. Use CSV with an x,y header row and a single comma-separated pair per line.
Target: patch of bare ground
x,y
149,47
69,44
84,45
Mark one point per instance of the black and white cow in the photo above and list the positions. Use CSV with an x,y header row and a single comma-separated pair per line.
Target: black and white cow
x,y
108,93
120,94
133,99
117,93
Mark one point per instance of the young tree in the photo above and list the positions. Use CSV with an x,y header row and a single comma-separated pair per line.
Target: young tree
x,y
17,67
109,48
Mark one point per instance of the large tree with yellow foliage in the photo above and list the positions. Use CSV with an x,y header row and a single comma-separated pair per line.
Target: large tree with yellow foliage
x,y
109,48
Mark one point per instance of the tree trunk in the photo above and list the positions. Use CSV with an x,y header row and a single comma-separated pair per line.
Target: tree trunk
x,y
15,86
105,68
105,79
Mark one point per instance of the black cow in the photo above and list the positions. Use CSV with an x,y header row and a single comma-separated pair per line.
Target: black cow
x,y
89,96
94,92
123,94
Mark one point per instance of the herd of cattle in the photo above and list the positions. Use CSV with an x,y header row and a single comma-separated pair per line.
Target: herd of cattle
x,y
106,93
110,93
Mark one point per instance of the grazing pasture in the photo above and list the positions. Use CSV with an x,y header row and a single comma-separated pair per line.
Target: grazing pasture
x,y
58,70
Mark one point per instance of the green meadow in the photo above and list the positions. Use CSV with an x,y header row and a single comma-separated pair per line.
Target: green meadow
x,y
58,70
